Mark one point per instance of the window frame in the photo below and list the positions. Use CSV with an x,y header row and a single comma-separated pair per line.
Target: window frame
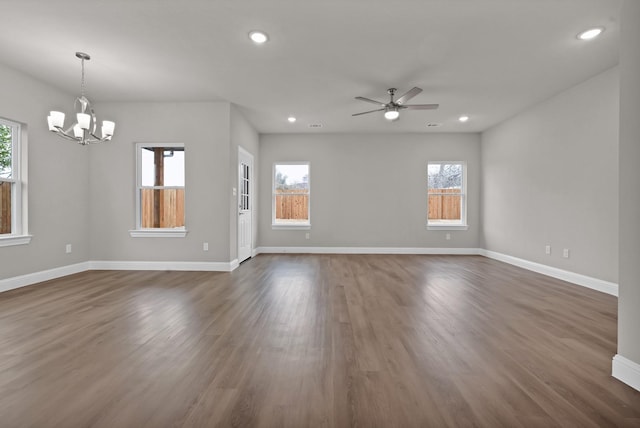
x,y
285,226
463,225
19,232
139,231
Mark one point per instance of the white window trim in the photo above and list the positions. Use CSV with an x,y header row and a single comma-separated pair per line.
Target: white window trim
x,y
139,231
447,227
463,200
283,226
158,233
19,235
279,226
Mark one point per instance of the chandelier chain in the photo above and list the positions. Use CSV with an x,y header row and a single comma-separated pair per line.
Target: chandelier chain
x,y
82,81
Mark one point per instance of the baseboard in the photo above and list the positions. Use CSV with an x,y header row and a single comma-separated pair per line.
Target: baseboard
x,y
144,265
575,278
367,250
45,275
626,371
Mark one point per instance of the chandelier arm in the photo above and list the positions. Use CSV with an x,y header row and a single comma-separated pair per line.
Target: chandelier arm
x,y
68,134
63,134
96,139
69,130
81,140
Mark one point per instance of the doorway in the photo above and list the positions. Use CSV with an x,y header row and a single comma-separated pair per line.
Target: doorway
x,y
245,204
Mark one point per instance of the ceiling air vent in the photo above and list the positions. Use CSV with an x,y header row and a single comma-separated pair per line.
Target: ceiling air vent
x,y
433,125
315,125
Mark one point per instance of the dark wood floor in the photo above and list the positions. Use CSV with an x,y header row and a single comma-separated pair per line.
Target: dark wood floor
x,y
320,341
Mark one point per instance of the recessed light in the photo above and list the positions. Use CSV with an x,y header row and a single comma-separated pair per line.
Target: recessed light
x,y
291,119
591,33
463,118
258,37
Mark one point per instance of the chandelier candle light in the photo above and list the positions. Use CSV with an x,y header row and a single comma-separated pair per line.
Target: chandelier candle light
x,y
84,130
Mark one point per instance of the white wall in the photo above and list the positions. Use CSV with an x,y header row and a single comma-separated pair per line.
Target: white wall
x,y
629,300
85,196
205,131
57,188
549,176
369,190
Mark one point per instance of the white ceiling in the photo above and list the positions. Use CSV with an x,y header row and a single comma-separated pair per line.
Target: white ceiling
x,y
486,58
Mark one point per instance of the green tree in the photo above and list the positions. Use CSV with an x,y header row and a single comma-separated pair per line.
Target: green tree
x,y
5,150
281,180
447,176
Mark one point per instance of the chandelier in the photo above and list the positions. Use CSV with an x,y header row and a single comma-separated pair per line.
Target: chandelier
x,y
84,130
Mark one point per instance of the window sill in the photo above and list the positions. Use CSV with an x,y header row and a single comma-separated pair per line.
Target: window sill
x,y
291,226
10,240
447,227
158,233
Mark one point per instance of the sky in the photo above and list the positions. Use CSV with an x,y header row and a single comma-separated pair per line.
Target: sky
x,y
173,169
294,173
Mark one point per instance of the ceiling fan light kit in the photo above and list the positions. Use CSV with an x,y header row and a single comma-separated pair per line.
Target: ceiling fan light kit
x,y
392,114
84,130
393,107
591,33
258,37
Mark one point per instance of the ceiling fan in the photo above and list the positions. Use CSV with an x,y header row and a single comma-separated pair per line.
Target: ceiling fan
x,y
392,108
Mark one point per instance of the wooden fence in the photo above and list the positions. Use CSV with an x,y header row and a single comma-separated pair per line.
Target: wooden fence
x,y
162,208
444,207
5,207
292,204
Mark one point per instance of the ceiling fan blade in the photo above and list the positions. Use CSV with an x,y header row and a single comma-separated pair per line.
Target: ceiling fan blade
x,y
408,95
365,112
421,106
371,101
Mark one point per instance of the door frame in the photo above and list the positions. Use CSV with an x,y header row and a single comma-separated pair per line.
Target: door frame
x,y
243,153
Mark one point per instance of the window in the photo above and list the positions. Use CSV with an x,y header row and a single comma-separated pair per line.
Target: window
x,y
291,195
160,190
446,200
12,227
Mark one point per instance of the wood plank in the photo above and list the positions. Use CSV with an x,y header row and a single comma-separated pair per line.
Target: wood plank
x,y
312,340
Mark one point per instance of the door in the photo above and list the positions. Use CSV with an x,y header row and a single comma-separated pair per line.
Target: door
x,y
245,204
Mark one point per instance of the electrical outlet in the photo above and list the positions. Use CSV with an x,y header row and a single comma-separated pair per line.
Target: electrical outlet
x,y
307,235
547,249
205,246
68,249
565,253
447,236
